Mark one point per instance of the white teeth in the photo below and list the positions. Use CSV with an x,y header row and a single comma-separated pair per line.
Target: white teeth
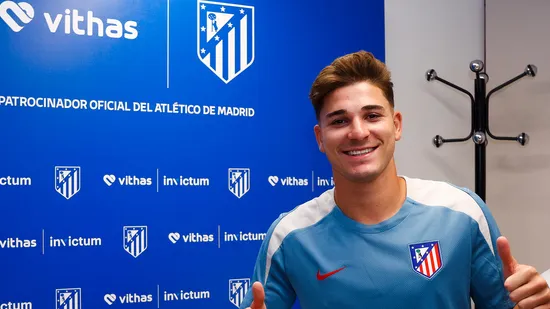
x,y
359,152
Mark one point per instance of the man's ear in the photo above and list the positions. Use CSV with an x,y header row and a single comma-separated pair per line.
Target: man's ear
x,y
319,137
398,123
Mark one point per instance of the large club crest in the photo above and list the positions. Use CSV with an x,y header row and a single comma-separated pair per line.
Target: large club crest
x,y
135,240
426,258
239,181
225,38
68,298
237,290
67,180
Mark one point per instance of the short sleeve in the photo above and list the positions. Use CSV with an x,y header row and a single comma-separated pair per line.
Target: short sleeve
x,y
270,271
487,277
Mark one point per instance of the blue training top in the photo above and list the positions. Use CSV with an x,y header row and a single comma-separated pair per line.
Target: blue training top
x,y
436,252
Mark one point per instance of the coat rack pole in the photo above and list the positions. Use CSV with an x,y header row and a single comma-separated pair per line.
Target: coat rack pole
x,y
480,140
480,119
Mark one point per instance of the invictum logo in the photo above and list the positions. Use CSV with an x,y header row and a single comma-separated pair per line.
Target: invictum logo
x,y
16,305
69,22
22,10
15,181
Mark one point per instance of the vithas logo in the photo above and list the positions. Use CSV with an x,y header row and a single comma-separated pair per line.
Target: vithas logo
x,y
130,298
191,237
71,22
110,179
287,181
16,243
21,10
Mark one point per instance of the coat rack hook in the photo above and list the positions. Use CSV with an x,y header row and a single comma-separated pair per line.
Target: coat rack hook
x,y
479,130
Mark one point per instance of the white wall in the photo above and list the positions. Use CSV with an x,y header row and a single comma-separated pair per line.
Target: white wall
x,y
445,35
518,177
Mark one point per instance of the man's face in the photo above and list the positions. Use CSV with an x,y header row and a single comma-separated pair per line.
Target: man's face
x,y
357,131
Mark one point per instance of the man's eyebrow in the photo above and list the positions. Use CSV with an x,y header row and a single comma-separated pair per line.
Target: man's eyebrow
x,y
365,108
372,107
336,113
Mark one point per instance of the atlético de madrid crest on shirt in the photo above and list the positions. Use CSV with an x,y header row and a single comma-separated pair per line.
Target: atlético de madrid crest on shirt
x,y
426,258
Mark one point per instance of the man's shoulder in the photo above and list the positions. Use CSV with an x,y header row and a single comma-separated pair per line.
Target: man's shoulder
x,y
304,215
459,200
444,194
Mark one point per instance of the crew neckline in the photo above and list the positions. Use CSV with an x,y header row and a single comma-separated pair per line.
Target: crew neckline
x,y
380,227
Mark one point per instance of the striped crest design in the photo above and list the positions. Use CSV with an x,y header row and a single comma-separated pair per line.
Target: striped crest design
x,y
239,181
67,180
68,298
426,258
135,240
225,38
237,290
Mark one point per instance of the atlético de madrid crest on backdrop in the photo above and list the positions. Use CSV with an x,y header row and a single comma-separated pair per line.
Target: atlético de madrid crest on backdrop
x,y
135,239
68,298
237,290
225,38
239,181
67,180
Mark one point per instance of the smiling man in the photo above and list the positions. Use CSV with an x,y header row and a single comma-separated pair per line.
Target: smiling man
x,y
378,239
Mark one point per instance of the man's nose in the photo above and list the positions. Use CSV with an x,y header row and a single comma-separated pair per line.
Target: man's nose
x,y
358,130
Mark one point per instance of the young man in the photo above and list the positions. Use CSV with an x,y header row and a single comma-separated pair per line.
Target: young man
x,y
379,240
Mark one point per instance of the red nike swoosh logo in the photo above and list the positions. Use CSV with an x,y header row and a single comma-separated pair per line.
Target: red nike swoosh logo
x,y
324,276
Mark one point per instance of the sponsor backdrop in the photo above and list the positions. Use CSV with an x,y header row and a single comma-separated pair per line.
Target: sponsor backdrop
x,y
147,145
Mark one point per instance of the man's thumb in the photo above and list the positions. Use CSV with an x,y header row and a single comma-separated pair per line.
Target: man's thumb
x,y
258,295
509,264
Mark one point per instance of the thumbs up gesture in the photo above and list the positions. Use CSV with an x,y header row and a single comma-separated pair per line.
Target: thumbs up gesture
x,y
528,289
258,296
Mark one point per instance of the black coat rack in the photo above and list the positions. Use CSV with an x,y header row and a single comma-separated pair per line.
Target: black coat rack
x,y
480,118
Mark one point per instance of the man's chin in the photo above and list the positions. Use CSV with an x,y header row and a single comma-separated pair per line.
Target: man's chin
x,y
362,176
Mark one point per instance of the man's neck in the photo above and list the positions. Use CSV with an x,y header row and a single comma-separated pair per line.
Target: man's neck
x,y
373,202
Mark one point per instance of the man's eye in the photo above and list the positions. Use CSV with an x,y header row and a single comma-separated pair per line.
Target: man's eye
x,y
338,121
373,116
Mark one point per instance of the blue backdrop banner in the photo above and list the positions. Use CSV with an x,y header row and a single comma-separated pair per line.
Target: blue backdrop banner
x,y
148,145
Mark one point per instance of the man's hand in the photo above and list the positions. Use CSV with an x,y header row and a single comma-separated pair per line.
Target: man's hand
x,y
258,296
527,287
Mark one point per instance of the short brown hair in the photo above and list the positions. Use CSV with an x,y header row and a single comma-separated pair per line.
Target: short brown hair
x,y
346,70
